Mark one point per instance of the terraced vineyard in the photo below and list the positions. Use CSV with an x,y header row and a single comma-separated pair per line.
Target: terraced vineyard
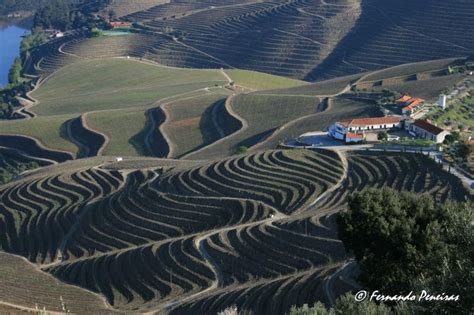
x,y
48,292
291,38
160,187
254,230
82,108
13,163
269,119
296,38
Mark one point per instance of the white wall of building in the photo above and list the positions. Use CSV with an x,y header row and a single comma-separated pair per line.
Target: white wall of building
x,y
442,101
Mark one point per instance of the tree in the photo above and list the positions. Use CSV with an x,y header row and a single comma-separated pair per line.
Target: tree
x,y
382,136
464,150
454,275
55,14
346,304
112,15
242,150
14,75
452,137
390,235
404,242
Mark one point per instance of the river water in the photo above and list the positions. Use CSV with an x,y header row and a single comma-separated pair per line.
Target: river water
x,y
10,39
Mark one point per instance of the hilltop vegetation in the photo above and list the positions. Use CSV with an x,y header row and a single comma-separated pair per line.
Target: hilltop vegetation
x,y
96,85
297,38
184,108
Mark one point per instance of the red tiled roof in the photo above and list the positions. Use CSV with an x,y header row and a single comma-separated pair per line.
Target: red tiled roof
x,y
370,121
427,126
119,23
352,135
415,103
404,98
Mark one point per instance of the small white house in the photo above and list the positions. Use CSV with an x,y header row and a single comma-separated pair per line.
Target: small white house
x,y
354,137
426,130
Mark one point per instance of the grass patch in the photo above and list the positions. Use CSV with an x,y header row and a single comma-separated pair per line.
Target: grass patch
x,y
262,81
265,113
124,128
48,130
116,83
415,142
190,125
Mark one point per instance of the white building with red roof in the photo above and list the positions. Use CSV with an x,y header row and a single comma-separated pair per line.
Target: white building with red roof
x,y
353,130
426,130
410,105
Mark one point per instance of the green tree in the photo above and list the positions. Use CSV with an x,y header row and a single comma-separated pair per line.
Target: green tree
x,y
464,150
346,304
452,137
404,242
454,275
382,136
55,14
391,235
14,75
242,150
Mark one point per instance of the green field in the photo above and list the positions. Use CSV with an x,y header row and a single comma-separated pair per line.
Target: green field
x,y
116,83
261,81
190,124
264,114
116,92
48,130
124,128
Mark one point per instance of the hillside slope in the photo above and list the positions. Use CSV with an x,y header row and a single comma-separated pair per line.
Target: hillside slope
x,y
308,39
254,230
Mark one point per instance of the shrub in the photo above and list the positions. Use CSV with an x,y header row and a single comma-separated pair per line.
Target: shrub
x,y
382,136
231,310
242,150
346,304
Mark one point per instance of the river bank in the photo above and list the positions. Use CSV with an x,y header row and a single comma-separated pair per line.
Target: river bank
x,y
11,36
12,31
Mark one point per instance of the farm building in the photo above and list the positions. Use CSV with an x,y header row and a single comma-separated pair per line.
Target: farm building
x,y
410,104
340,129
403,100
354,137
120,24
426,130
